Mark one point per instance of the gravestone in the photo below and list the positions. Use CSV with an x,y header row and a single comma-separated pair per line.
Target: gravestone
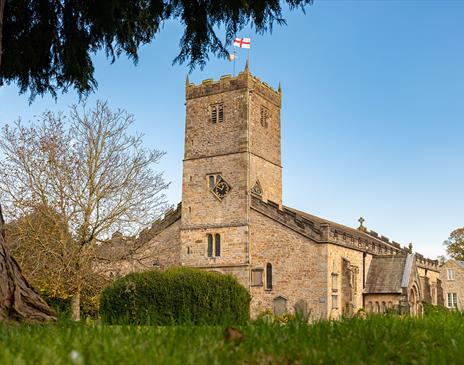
x,y
280,306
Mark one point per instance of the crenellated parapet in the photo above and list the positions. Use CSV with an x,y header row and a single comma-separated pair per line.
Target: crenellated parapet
x,y
426,263
322,231
290,219
421,261
227,83
170,216
351,238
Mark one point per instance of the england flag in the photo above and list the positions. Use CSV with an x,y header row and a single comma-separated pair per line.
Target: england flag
x,y
242,42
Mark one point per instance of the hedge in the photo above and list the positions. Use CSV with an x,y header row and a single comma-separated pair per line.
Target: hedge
x,y
175,296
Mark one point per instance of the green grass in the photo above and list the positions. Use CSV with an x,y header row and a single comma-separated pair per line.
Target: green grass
x,y
435,339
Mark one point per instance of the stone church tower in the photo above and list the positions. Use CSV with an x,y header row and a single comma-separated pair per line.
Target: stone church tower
x,y
232,147
231,219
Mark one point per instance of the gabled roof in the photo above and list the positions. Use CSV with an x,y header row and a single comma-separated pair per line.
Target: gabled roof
x,y
334,224
365,234
388,274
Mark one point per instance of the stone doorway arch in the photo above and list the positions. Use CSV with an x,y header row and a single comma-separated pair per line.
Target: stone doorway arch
x,y
414,301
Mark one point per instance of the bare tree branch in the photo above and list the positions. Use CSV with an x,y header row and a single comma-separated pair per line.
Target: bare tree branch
x,y
79,179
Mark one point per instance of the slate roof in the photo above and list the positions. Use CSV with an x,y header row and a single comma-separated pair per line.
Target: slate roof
x,y
353,231
319,220
386,274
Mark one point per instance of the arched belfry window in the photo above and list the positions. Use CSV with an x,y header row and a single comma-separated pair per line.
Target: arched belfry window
x,y
217,113
210,245
217,245
269,276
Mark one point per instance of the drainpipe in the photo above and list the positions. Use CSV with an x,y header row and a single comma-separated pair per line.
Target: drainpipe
x,y
364,278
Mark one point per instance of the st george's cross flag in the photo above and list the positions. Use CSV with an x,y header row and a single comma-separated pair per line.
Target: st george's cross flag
x,y
242,42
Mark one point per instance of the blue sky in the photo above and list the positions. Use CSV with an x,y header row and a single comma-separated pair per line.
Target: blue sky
x,y
372,116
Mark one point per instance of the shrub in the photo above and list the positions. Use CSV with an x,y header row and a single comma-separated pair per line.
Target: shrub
x,y
175,296
62,306
430,309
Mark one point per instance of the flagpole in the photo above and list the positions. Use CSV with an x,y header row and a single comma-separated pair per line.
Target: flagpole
x,y
248,53
235,56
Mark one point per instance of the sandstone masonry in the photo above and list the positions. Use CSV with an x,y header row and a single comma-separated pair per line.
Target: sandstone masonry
x,y
232,219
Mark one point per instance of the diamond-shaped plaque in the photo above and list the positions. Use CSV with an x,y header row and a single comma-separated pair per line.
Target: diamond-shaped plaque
x,y
221,189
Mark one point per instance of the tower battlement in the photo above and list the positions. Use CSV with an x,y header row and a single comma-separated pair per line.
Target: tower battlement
x,y
229,83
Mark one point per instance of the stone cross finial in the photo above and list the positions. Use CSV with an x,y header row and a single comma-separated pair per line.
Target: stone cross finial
x,y
361,221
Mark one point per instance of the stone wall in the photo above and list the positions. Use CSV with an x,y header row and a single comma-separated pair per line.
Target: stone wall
x,y
264,134
380,303
429,283
343,293
270,177
200,207
453,286
204,138
163,250
157,248
265,140
234,250
299,268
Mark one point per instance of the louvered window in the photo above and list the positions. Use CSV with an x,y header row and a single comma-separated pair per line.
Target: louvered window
x,y
265,116
220,113
217,113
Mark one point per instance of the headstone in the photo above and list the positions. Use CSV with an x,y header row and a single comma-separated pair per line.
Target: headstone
x,y
301,309
280,306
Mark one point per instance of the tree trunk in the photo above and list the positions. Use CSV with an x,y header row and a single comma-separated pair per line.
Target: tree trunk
x,y
18,300
76,306
2,12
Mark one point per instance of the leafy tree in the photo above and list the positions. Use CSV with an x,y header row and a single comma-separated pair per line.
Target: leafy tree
x,y
42,245
18,300
81,181
47,44
455,244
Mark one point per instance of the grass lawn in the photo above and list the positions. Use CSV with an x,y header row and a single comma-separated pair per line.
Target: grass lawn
x,y
434,339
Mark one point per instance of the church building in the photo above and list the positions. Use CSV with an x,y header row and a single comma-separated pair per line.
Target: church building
x,y
232,219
